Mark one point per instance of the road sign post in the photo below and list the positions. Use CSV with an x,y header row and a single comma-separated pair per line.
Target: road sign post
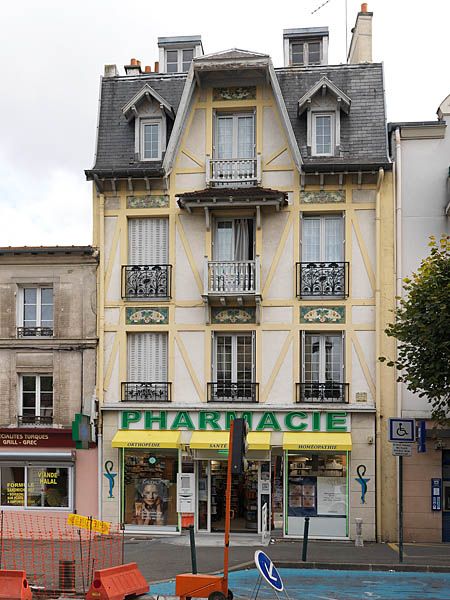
x,y
402,433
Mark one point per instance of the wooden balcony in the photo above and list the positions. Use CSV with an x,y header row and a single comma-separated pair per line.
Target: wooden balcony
x,y
231,283
233,172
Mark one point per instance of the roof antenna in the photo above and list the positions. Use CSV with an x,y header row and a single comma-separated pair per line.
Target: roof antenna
x,y
346,23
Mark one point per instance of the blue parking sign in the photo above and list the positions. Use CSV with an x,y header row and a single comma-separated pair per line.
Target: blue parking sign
x,y
268,571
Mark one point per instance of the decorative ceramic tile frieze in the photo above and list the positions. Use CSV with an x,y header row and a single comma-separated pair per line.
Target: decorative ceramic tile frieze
x,y
233,315
322,314
235,93
147,316
322,197
147,201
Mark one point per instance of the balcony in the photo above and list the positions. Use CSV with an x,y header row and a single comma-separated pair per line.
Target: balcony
x,y
233,172
26,332
322,279
34,420
141,282
146,391
329,392
232,282
233,392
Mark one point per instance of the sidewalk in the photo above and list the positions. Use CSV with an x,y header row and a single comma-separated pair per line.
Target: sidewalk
x,y
162,558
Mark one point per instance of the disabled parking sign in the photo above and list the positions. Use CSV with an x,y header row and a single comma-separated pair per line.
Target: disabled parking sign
x,y
268,571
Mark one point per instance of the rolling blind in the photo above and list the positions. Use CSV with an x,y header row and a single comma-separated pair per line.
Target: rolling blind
x,y
148,241
147,357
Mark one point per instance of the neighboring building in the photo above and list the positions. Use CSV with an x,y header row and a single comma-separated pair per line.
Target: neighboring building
x,y
47,355
244,216
421,151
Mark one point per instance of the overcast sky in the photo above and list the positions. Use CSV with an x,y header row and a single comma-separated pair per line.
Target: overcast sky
x,y
53,52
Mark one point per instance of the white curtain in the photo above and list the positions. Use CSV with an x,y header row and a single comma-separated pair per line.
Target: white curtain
x,y
241,240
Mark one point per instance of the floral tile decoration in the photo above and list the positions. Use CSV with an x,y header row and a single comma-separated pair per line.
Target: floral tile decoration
x,y
322,314
233,315
147,316
235,93
147,201
322,197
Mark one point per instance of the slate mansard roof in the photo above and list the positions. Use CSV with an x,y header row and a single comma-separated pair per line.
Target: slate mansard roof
x,y
363,130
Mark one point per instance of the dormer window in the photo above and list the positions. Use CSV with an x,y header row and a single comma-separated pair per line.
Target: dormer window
x,y
306,53
322,134
151,140
179,61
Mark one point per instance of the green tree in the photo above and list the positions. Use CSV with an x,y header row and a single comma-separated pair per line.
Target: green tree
x,y
422,330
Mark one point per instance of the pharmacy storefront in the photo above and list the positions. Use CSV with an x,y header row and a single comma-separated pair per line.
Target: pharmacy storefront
x,y
165,469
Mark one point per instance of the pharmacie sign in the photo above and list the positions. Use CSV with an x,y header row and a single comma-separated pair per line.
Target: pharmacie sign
x,y
212,420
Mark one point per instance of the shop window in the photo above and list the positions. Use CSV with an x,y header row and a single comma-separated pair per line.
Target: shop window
x,y
317,487
150,487
36,487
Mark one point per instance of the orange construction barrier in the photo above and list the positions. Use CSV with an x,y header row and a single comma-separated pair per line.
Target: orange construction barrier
x,y
14,585
190,585
117,583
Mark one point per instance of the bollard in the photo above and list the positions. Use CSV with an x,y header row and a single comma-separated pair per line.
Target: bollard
x,y
359,542
305,539
193,550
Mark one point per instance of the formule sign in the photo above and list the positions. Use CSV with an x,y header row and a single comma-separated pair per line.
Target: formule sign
x,y
268,571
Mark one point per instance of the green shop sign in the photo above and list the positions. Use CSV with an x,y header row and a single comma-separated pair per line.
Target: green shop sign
x,y
212,420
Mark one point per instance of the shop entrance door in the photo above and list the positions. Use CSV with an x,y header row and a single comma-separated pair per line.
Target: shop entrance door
x,y
446,495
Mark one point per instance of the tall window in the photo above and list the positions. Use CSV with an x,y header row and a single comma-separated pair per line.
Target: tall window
x,y
323,238
235,136
322,368
323,139
147,368
233,240
36,311
151,141
234,367
147,274
36,399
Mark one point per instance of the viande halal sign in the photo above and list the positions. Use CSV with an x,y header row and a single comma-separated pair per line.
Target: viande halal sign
x,y
213,420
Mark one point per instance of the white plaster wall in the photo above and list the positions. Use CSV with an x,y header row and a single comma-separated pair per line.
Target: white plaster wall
x,y
274,139
194,343
184,391
194,228
195,138
278,179
358,381
282,281
189,182
272,343
272,229
363,314
276,314
366,221
360,283
282,391
186,287
112,316
190,316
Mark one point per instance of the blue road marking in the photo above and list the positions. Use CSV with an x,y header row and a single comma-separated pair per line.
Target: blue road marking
x,y
321,584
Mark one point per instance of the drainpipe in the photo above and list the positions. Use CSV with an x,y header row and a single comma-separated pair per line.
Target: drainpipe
x,y
101,344
398,244
378,447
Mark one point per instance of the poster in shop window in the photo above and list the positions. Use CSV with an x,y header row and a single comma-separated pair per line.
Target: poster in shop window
x,y
331,496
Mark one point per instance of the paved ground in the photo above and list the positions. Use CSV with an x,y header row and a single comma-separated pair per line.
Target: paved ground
x,y
319,584
163,558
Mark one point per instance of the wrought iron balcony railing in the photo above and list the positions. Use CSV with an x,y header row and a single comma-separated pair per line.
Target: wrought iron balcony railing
x,y
322,392
322,279
233,392
34,332
146,281
233,172
146,391
232,277
25,420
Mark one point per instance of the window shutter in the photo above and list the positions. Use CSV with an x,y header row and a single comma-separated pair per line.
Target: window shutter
x,y
147,356
302,357
253,356
148,241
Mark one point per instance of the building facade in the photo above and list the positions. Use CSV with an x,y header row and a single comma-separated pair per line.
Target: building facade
x,y
48,355
421,153
244,216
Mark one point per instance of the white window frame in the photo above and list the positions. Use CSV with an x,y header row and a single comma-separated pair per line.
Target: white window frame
x,y
143,123
235,141
322,359
322,234
314,117
305,45
180,60
37,407
21,304
234,335
46,466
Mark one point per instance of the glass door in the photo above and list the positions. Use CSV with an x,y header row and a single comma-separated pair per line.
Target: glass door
x,y
203,495
264,496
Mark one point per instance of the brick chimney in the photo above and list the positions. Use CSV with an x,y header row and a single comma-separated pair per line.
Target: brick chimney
x,y
134,68
361,45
